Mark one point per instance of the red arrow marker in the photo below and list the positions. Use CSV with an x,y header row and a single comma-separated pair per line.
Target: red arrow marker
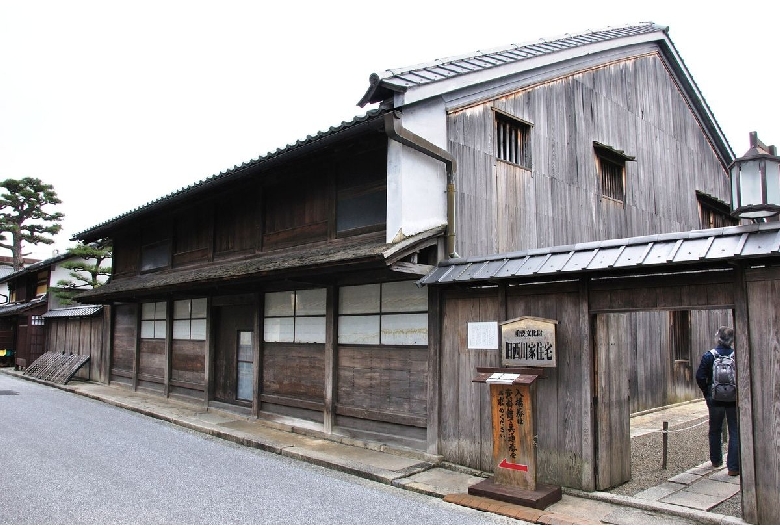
x,y
515,467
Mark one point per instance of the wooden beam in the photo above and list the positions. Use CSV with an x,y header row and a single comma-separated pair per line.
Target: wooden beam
x,y
136,346
257,355
168,345
208,372
588,458
411,268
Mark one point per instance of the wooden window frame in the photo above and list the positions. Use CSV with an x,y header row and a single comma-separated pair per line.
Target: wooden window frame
x,y
714,213
611,166
512,140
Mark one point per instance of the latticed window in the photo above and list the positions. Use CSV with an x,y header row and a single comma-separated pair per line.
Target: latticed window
x,y
612,171
612,179
513,140
714,213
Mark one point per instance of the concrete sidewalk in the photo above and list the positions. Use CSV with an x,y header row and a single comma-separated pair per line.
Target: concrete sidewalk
x,y
685,499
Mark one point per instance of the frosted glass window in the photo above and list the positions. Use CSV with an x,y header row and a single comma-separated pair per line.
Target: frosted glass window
x,y
181,329
405,329
153,311
310,302
153,320
404,297
181,309
198,308
750,180
147,329
189,319
295,316
310,329
359,299
244,384
772,183
280,304
279,329
198,329
359,329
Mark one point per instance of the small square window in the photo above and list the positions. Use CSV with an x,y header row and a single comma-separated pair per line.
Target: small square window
x,y
513,140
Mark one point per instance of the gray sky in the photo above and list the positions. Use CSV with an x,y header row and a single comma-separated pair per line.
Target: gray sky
x,y
118,103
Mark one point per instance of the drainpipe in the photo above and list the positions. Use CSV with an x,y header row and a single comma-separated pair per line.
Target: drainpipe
x,y
396,132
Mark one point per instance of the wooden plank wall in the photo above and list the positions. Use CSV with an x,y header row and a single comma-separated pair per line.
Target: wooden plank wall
x,y
79,335
559,396
632,105
383,383
294,372
466,433
760,448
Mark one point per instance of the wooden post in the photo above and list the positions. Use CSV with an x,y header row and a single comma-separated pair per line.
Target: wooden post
x,y
665,438
331,362
514,443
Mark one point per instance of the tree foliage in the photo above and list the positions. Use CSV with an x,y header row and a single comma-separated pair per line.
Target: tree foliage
x,y
23,216
86,265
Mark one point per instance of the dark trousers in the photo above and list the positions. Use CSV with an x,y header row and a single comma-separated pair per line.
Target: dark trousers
x,y
717,414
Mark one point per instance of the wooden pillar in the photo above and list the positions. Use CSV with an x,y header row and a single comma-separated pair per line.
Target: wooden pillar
x,y
588,474
168,346
257,353
137,346
331,359
434,369
744,393
209,354
107,345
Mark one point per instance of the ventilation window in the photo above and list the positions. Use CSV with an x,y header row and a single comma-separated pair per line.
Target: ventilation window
x,y
612,171
714,213
513,140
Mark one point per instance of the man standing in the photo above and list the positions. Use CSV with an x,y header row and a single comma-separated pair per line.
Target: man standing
x,y
716,378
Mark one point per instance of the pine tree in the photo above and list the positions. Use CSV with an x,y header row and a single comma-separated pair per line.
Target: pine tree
x,y
24,201
86,265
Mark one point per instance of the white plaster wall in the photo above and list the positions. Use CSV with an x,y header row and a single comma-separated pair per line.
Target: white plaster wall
x,y
417,183
61,273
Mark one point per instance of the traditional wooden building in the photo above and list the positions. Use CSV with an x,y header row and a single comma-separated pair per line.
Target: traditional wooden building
x,y
33,321
286,288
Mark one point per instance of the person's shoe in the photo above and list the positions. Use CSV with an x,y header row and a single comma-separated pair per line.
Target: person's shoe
x,y
733,473
717,464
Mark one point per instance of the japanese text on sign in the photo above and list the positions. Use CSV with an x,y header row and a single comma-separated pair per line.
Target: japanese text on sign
x,y
528,342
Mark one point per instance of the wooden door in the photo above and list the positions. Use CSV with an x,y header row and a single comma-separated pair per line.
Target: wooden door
x,y
230,357
612,392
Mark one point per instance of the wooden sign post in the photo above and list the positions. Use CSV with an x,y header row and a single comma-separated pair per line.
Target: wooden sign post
x,y
529,342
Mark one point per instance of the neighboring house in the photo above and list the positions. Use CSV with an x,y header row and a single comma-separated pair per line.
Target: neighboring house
x,y
31,322
286,287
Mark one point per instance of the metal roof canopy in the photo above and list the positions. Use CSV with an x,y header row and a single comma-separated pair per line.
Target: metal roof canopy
x,y
645,253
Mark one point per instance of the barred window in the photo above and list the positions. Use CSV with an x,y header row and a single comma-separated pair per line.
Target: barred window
x,y
714,213
513,140
612,171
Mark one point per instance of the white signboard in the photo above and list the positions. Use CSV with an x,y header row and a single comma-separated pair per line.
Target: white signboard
x,y
483,336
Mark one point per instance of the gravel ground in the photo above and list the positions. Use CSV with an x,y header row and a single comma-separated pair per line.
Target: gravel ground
x,y
686,449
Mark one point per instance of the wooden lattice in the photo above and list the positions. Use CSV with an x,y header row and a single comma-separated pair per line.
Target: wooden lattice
x,y
56,367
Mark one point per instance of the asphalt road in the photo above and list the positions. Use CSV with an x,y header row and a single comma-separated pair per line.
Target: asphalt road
x,y
71,460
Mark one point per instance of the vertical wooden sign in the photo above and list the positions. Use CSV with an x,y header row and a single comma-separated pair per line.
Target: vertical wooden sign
x,y
514,451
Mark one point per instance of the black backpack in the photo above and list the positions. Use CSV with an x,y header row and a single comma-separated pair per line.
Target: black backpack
x,y
724,377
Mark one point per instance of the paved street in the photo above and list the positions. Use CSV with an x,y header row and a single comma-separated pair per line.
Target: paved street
x,y
71,460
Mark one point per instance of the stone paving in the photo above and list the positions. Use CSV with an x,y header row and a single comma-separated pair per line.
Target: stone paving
x,y
684,499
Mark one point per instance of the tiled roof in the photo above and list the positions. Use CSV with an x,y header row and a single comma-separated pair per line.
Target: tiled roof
x,y
401,79
290,261
17,308
75,311
698,246
37,266
236,172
